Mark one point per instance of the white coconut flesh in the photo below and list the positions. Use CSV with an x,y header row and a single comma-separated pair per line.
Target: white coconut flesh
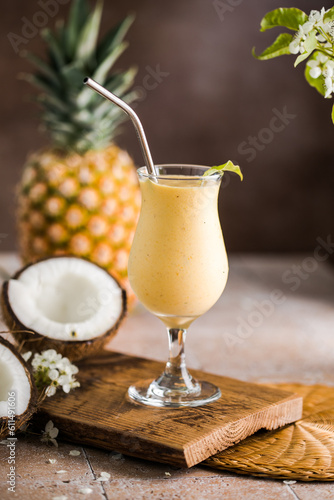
x,y
66,298
13,378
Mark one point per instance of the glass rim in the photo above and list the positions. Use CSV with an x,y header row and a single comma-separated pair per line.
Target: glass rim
x,y
144,173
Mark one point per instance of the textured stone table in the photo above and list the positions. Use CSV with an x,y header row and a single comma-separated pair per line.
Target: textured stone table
x,y
273,323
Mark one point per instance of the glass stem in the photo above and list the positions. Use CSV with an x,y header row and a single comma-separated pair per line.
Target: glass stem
x,y
176,375
176,364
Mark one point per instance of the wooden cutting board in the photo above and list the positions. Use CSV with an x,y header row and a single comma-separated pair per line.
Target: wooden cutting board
x,y
100,414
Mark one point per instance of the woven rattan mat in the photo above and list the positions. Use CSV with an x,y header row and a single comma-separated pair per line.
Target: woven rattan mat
x,y
303,450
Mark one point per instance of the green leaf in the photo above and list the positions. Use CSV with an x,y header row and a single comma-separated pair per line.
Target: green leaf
x,y
55,51
61,35
88,35
86,96
333,114
310,45
114,37
44,68
52,102
55,124
329,16
287,17
79,13
121,82
118,84
317,83
101,71
40,82
226,167
73,75
301,58
278,48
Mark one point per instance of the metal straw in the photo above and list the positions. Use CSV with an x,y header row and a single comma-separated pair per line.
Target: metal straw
x,y
135,120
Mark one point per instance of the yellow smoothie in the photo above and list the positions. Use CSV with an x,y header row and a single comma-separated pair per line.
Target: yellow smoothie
x,y
178,265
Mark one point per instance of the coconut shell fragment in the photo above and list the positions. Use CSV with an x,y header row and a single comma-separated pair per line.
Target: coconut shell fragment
x,y
18,393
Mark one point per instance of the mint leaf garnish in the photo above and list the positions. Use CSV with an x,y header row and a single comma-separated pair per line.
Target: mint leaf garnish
x,y
226,167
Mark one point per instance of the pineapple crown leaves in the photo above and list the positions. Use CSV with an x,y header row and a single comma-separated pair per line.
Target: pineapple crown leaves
x,y
77,118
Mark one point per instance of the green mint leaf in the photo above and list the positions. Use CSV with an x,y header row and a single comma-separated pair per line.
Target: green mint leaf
x,y
280,47
288,18
329,16
226,167
302,57
317,83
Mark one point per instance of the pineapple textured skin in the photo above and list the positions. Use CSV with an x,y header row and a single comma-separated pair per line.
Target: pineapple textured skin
x,y
86,206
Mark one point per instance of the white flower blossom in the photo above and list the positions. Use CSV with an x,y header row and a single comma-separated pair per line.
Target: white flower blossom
x,y
27,355
51,369
315,23
53,374
329,78
306,27
51,390
317,16
318,65
329,86
315,70
50,433
297,44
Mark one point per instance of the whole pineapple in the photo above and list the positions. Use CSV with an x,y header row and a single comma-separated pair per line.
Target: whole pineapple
x,y
81,196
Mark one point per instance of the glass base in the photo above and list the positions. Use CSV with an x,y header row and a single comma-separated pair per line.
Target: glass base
x,y
153,394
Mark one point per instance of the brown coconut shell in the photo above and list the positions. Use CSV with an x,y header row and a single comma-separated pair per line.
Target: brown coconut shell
x,y
32,407
34,341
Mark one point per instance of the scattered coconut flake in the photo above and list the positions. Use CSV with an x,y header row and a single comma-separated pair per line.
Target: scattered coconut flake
x,y
4,441
168,474
85,491
61,497
61,471
104,476
289,482
75,453
117,456
52,460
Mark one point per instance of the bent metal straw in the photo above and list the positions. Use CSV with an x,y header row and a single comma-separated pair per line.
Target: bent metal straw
x,y
134,117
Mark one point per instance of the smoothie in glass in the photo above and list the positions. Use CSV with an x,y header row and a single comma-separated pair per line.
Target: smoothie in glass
x,y
178,264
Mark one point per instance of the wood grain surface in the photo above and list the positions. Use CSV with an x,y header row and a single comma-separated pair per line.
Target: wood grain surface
x,y
100,414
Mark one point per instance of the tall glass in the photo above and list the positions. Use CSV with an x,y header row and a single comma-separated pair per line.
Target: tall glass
x,y
178,269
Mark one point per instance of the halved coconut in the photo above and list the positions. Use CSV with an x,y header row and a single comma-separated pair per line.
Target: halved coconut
x,y
69,303
18,394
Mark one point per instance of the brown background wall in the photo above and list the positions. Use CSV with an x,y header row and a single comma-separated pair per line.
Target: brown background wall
x,y
212,97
